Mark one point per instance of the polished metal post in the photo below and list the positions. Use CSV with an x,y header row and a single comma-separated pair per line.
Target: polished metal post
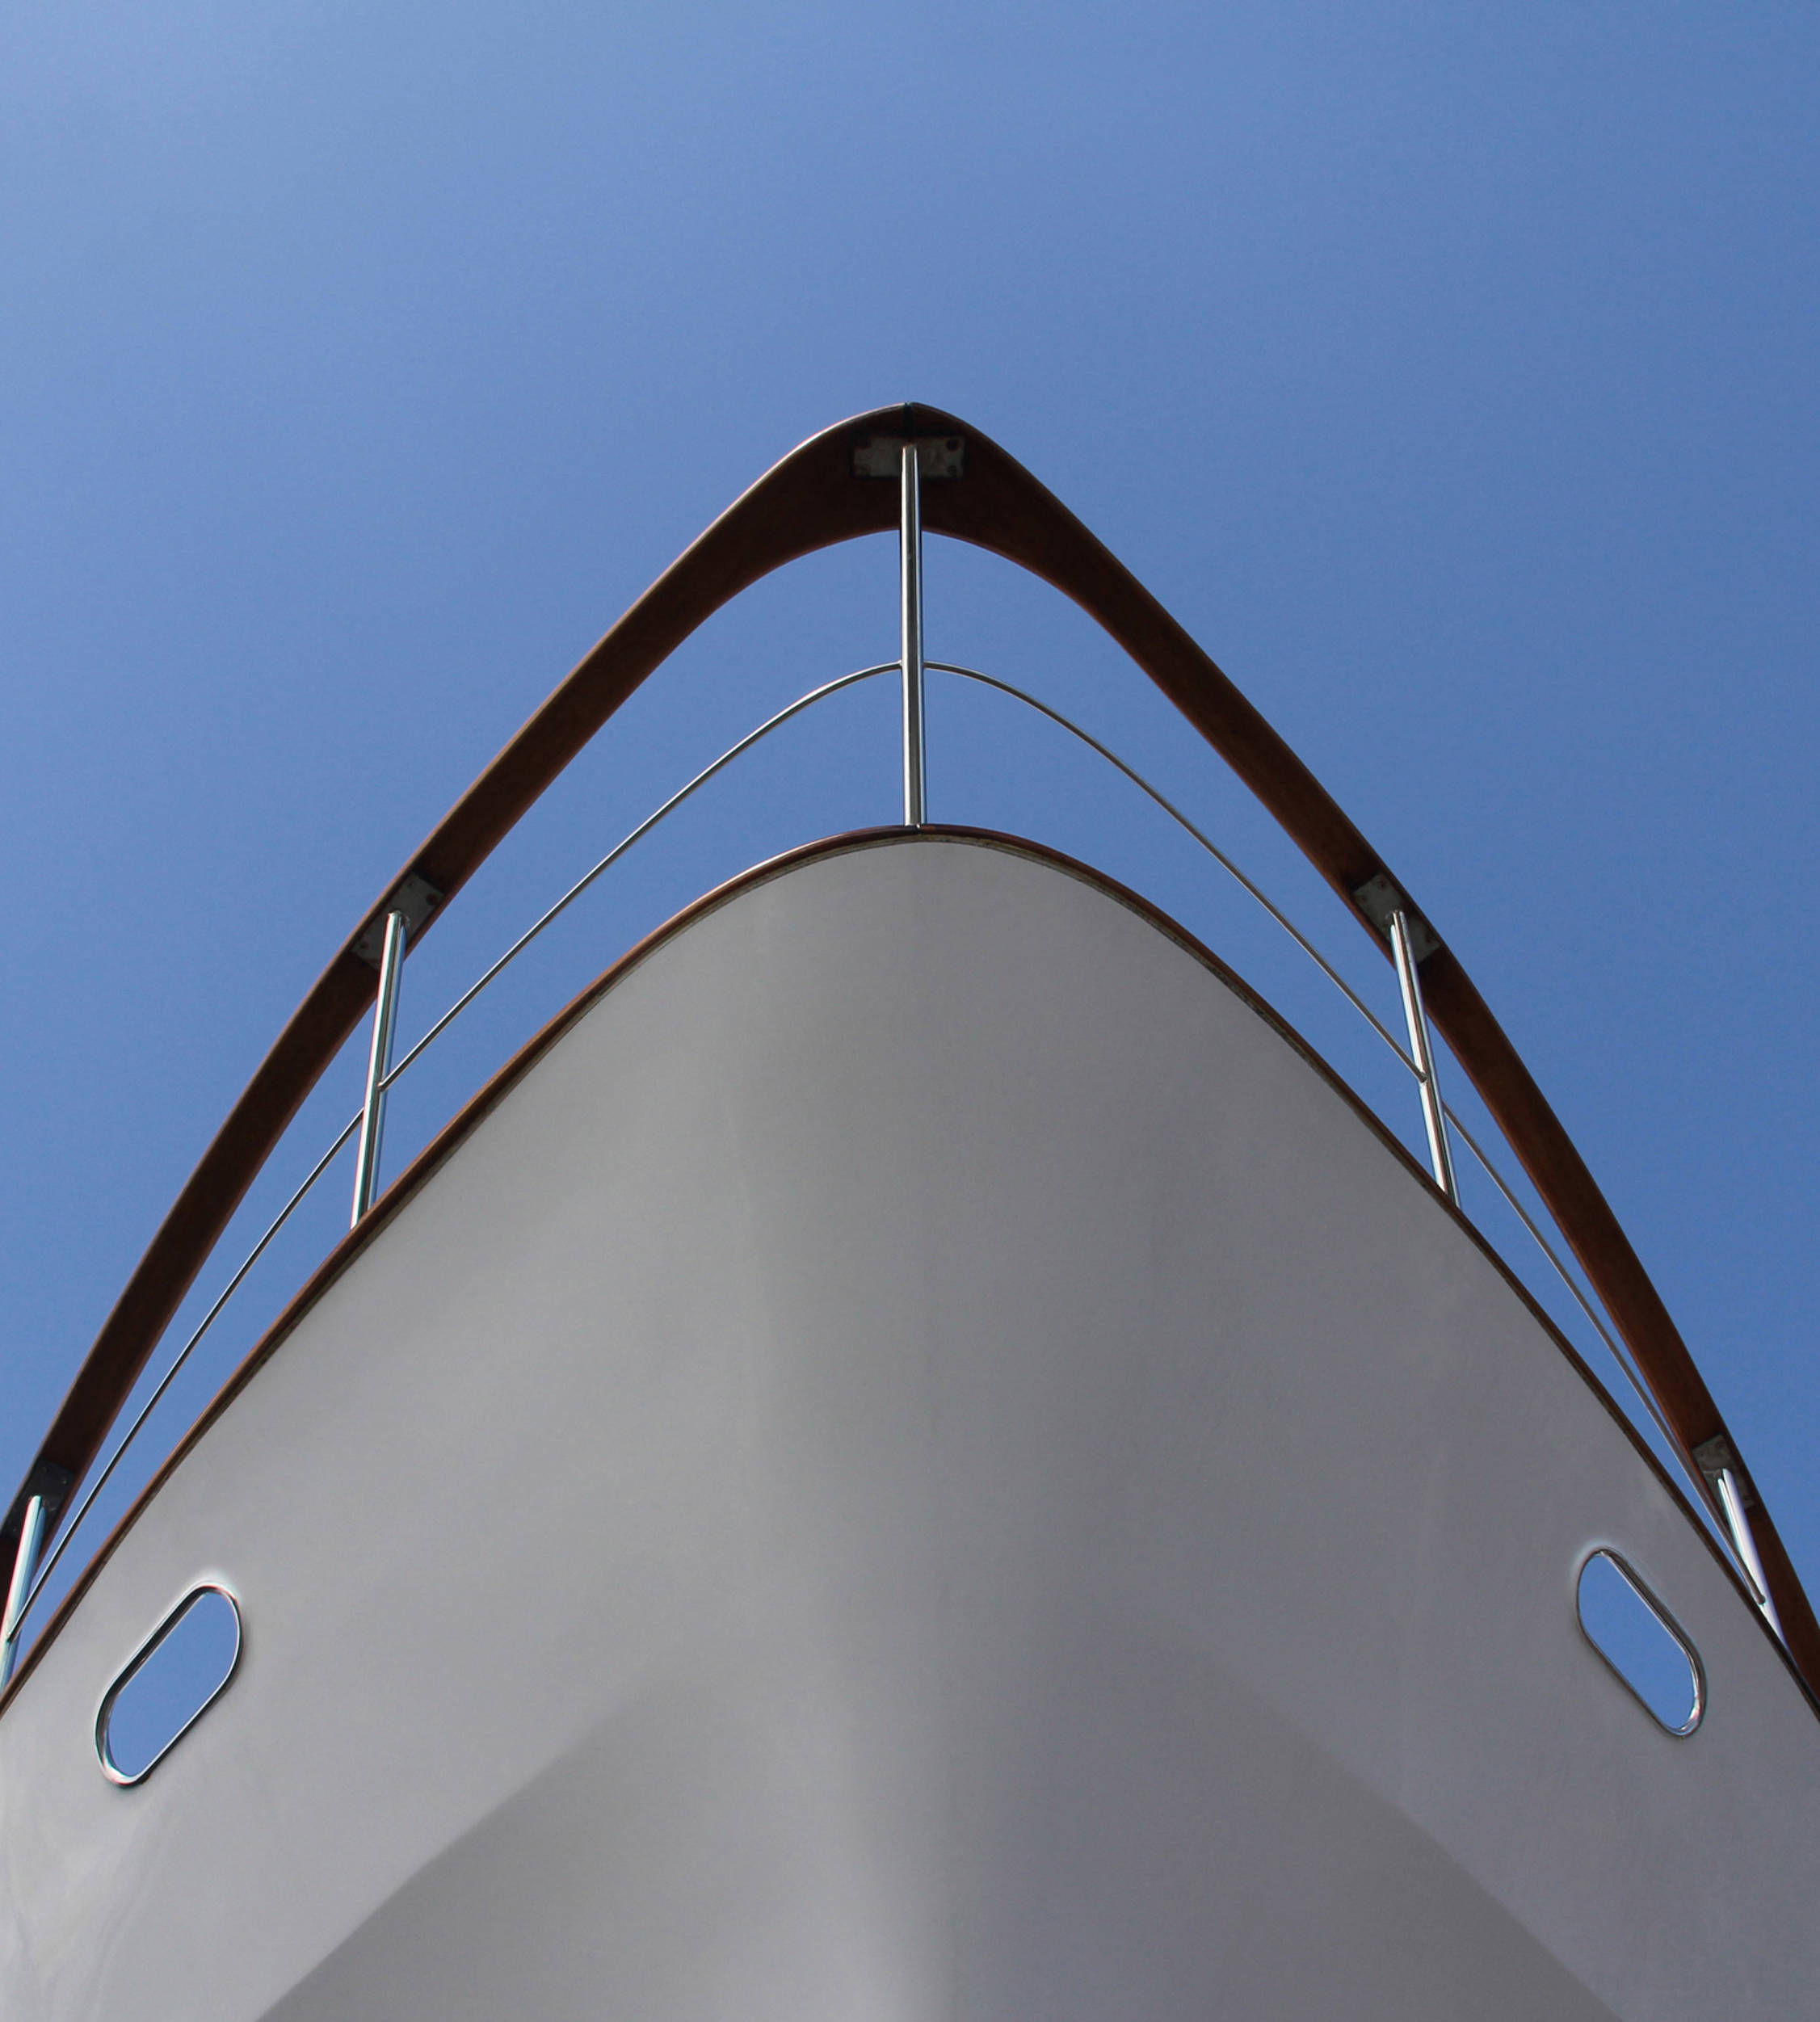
x,y
910,582
379,1065
1440,1154
25,1564
1732,1500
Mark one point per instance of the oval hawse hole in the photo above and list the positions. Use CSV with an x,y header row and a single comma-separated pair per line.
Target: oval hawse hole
x,y
182,1668
1643,1642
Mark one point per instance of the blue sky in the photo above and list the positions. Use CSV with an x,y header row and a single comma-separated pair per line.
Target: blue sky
x,y
1450,373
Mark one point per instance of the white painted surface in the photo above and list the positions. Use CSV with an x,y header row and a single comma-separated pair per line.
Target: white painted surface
x,y
923,1465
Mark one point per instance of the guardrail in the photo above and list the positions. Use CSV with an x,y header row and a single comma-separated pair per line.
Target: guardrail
x,y
31,1580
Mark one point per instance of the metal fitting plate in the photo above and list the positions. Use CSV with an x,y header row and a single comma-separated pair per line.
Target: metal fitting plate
x,y
1712,1455
46,1479
1378,898
936,456
417,898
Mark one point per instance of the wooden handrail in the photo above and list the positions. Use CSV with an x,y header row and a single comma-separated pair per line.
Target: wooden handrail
x,y
818,495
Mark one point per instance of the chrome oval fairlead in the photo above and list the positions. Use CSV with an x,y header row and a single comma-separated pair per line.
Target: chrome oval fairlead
x,y
168,1690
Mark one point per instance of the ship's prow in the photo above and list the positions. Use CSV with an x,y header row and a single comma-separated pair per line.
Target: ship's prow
x,y
918,1456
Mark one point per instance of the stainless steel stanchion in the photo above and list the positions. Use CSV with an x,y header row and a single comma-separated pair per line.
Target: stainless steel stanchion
x,y
1731,1499
909,574
379,1065
1440,1154
25,1563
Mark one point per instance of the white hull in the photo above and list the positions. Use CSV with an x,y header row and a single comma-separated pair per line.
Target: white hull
x,y
924,1462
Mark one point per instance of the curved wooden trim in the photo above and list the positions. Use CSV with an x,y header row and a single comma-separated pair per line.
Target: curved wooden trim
x,y
474,1111
811,499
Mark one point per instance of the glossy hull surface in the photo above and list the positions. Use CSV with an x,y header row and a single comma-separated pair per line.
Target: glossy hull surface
x,y
922,1461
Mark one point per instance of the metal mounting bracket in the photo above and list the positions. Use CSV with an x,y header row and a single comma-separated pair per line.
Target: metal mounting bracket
x,y
936,456
417,898
1378,898
1712,1457
46,1479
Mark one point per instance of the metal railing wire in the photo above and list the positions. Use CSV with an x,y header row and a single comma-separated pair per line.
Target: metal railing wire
x,y
183,1354
1618,1355
803,702
619,850
775,722
1212,848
